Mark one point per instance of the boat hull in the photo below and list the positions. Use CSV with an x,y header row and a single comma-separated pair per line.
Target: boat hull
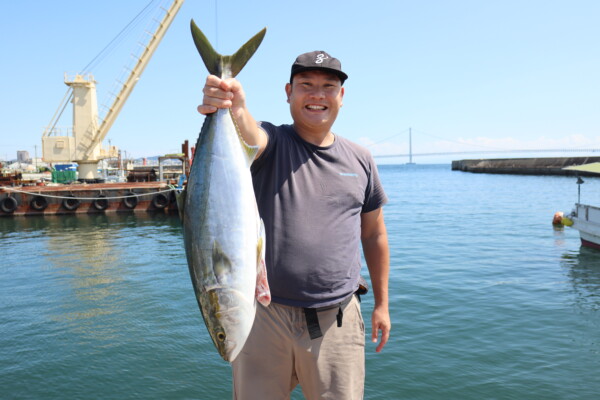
x,y
586,219
87,199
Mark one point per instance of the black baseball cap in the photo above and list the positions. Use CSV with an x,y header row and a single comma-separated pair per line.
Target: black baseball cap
x,y
318,60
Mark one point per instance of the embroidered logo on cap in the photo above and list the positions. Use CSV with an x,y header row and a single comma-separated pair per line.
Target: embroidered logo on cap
x,y
320,58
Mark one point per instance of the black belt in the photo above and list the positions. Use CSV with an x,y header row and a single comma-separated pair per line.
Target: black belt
x,y
312,319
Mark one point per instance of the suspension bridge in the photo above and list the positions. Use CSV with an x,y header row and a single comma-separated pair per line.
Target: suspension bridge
x,y
451,153
486,151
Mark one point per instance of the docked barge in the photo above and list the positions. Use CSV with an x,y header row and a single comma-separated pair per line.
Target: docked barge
x,y
82,146
87,198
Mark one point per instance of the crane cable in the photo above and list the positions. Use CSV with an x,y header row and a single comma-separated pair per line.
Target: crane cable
x,y
114,42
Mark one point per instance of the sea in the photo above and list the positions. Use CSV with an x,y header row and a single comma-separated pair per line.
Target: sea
x,y
488,300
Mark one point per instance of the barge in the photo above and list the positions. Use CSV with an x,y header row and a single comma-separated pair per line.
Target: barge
x,y
83,147
87,198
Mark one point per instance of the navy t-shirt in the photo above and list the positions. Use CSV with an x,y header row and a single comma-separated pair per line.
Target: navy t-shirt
x,y
311,199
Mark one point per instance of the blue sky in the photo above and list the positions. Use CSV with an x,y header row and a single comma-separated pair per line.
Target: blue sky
x,y
464,75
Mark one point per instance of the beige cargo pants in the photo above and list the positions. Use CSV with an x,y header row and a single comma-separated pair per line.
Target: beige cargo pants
x,y
279,354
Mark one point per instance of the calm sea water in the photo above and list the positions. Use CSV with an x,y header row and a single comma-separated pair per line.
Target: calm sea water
x,y
488,301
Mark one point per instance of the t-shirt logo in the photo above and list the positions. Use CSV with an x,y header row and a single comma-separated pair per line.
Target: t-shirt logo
x,y
320,58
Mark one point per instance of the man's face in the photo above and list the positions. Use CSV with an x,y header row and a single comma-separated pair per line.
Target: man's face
x,y
315,98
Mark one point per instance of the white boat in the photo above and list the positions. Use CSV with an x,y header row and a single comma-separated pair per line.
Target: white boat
x,y
585,218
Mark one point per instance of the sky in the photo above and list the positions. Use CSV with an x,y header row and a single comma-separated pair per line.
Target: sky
x,y
462,76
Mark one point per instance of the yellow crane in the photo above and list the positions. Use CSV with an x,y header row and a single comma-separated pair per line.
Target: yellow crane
x,y
84,144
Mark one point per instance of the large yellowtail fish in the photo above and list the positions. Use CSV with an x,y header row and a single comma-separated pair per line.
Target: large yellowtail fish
x,y
223,233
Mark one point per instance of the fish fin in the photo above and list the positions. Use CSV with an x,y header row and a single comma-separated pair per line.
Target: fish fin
x,y
262,292
180,199
261,249
211,58
225,66
249,151
221,264
241,57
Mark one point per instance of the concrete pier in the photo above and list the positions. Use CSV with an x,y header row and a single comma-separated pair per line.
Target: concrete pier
x,y
525,166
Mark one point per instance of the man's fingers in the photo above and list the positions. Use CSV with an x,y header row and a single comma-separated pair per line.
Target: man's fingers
x,y
212,80
385,334
220,93
206,109
374,333
215,96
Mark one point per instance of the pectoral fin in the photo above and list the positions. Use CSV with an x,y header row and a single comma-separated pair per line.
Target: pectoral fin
x,y
221,264
262,292
180,199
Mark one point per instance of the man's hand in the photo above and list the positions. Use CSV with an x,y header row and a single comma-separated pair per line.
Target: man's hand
x,y
228,93
221,93
381,322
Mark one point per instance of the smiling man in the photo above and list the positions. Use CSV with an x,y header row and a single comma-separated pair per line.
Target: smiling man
x,y
320,198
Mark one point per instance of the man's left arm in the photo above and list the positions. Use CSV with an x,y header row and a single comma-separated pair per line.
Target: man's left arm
x,y
375,247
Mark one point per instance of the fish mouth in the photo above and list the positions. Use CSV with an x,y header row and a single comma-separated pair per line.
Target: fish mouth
x,y
229,350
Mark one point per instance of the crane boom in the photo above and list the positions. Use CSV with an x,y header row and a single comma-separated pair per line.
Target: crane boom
x,y
134,75
84,146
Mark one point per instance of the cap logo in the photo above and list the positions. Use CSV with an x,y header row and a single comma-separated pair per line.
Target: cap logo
x,y
320,58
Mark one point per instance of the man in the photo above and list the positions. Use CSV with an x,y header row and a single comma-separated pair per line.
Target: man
x,y
320,197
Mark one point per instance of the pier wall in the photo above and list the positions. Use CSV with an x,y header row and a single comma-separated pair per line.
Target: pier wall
x,y
525,166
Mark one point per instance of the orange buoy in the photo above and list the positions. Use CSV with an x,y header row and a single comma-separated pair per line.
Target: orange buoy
x,y
558,216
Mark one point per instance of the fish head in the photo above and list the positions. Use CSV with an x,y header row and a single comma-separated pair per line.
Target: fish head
x,y
228,316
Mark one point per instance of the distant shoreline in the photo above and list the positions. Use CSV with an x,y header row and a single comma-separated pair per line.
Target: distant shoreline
x,y
525,166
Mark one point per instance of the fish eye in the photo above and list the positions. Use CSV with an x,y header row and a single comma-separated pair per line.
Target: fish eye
x,y
221,336
224,300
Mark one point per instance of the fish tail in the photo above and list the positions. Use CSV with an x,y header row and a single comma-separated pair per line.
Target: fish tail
x,y
225,66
